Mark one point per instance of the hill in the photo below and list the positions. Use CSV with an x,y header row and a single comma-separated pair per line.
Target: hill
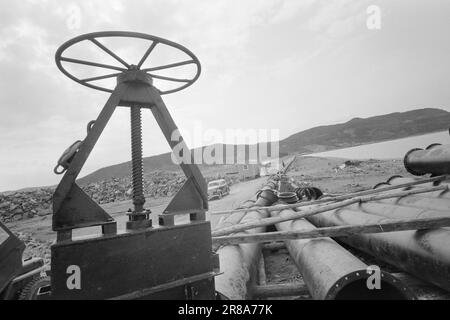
x,y
361,131
357,131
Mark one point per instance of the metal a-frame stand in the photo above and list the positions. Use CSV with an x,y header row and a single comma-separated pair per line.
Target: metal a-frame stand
x,y
170,261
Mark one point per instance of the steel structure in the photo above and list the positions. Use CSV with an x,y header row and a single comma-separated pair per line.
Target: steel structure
x,y
166,261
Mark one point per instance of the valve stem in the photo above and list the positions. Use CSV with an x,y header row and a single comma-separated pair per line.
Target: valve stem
x,y
136,160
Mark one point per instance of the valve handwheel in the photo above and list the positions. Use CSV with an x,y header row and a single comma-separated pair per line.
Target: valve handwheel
x,y
153,43
135,90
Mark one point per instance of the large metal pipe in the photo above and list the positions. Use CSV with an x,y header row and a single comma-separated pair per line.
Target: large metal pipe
x,y
423,290
398,211
396,180
239,263
331,272
424,253
435,201
435,159
437,204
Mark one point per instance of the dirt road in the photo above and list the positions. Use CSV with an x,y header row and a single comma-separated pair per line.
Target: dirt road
x,y
39,228
332,175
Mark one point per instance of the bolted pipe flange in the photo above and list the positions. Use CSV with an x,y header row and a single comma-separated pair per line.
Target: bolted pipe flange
x,y
389,287
288,197
267,194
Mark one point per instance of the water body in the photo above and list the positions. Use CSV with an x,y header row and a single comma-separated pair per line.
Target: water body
x,y
392,149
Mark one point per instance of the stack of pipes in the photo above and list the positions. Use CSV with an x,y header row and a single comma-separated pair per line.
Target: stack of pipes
x,y
423,253
331,272
239,263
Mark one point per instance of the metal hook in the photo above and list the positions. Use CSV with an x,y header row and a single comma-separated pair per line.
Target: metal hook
x,y
90,125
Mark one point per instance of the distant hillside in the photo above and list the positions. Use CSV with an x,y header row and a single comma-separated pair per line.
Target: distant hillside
x,y
354,132
361,131
164,162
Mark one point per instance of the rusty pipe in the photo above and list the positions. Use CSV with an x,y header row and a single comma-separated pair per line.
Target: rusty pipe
x,y
423,290
400,211
437,200
395,180
239,263
423,253
330,272
434,204
435,159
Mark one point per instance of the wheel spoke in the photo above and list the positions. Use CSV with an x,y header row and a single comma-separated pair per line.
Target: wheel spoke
x,y
101,77
167,66
119,66
147,53
94,64
168,78
112,54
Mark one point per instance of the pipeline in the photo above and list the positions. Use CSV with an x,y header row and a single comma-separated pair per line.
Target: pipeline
x,y
423,253
423,290
421,202
331,272
435,159
398,211
430,204
239,263
397,180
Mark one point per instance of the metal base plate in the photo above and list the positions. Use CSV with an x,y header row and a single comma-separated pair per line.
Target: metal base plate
x,y
118,266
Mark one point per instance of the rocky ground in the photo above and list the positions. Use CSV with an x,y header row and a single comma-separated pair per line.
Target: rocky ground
x,y
29,213
336,175
331,175
35,206
28,204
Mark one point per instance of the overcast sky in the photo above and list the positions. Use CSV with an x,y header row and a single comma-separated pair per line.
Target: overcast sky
x,y
272,64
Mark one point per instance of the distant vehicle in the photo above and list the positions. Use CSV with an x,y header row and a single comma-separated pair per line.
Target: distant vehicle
x,y
217,189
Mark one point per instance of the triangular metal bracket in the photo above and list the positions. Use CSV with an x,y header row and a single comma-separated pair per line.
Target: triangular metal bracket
x,y
74,209
78,210
187,200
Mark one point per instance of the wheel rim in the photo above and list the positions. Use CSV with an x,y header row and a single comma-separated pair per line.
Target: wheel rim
x,y
93,37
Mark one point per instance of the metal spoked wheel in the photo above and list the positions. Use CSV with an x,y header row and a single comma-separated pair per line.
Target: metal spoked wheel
x,y
126,66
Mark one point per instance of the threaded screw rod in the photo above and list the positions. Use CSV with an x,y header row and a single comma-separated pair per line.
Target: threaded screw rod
x,y
136,159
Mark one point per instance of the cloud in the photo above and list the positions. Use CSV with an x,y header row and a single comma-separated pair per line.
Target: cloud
x,y
288,9
338,18
257,57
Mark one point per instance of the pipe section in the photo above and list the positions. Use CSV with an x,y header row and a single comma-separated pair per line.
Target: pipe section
x,y
435,159
423,253
396,211
330,272
239,263
396,180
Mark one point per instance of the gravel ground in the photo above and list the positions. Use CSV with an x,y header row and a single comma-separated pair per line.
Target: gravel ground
x,y
332,175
